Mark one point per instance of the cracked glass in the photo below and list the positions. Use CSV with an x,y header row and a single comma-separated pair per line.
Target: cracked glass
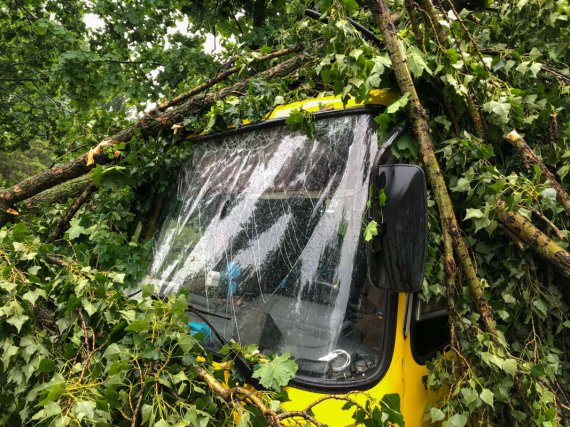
x,y
264,230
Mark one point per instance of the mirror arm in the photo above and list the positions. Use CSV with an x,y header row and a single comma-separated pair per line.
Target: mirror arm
x,y
381,158
384,151
374,246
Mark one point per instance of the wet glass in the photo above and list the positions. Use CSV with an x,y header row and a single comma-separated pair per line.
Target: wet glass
x,y
264,229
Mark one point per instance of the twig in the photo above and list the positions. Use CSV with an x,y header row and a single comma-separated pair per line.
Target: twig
x,y
553,226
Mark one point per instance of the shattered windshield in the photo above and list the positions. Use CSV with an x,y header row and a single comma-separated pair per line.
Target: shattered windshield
x,y
264,229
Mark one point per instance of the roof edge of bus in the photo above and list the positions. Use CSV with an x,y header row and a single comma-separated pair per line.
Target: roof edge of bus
x,y
377,97
382,97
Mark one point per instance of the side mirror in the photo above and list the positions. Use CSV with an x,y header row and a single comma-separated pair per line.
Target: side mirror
x,y
397,256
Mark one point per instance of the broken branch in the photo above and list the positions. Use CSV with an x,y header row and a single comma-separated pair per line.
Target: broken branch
x,y
530,160
536,239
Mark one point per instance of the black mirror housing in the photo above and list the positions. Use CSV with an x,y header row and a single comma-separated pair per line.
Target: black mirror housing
x,y
397,256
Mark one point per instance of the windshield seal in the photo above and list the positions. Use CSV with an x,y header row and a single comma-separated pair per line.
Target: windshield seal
x,y
318,115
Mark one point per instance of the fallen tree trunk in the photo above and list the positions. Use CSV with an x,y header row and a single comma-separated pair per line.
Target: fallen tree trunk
x,y
421,131
148,125
60,193
539,242
530,160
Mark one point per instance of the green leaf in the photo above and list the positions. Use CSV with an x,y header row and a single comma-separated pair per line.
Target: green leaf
x,y
510,367
76,229
469,395
416,62
370,231
487,396
350,5
548,197
32,296
277,372
84,409
139,325
473,213
390,405
17,320
499,109
457,420
186,342
147,411
398,104
436,415
112,352
382,197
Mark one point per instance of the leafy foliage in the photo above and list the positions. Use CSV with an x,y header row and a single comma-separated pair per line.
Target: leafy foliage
x,y
68,86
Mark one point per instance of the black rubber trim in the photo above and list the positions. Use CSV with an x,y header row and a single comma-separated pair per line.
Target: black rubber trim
x,y
342,386
421,359
318,115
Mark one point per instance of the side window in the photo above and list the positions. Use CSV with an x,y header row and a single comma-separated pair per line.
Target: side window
x,y
430,329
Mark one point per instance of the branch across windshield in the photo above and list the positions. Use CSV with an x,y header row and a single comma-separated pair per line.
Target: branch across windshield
x,y
264,229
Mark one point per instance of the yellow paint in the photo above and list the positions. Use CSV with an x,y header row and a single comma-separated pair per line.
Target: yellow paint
x,y
404,376
376,97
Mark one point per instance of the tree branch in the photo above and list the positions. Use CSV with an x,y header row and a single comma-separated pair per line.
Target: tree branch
x,y
536,239
148,125
530,160
421,131
71,211
218,78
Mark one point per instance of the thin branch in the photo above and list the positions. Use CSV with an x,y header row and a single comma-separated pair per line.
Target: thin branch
x,y
530,160
218,78
71,211
536,239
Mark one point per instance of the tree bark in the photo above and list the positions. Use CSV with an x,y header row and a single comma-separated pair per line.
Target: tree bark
x,y
259,13
530,160
149,125
60,193
536,239
421,131
71,211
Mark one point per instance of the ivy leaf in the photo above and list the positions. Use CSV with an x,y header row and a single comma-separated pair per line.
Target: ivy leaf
x,y
277,372
17,320
416,62
75,229
370,230
84,409
548,197
390,405
398,104
469,395
382,197
499,109
32,296
139,325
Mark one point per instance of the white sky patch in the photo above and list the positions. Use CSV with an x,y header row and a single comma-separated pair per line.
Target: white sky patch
x,y
93,22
